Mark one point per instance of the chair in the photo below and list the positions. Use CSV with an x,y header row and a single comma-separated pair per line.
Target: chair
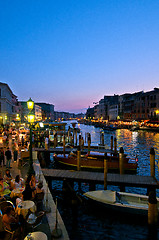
x,y
37,221
10,233
4,231
39,197
5,204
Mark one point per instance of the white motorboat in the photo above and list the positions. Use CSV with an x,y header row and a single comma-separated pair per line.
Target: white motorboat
x,y
121,201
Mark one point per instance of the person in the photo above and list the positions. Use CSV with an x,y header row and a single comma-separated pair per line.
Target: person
x,y
39,196
39,191
4,189
11,221
2,157
46,142
8,177
32,182
18,183
15,153
8,155
22,141
28,193
41,140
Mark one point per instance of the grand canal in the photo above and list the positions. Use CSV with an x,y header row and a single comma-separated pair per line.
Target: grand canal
x,y
86,221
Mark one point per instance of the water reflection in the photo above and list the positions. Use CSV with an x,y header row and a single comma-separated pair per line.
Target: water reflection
x,y
93,223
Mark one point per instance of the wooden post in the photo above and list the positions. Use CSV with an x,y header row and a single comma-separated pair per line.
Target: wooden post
x,y
73,137
152,162
105,171
82,143
152,209
68,135
89,142
121,160
111,142
76,137
85,137
78,159
80,140
102,136
55,140
115,146
64,145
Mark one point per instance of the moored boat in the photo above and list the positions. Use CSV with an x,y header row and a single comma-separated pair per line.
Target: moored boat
x,y
121,201
95,161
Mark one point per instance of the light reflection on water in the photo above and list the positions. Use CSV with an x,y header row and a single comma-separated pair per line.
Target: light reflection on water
x,y
92,224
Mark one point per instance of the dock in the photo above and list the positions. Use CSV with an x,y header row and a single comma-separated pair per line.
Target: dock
x,y
123,180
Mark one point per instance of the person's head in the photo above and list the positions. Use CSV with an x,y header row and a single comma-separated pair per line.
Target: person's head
x,y
40,185
7,172
32,177
8,210
17,178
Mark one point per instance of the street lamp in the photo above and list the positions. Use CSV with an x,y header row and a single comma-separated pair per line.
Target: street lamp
x,y
31,117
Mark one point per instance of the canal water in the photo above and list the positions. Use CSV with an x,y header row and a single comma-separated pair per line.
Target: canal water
x,y
86,221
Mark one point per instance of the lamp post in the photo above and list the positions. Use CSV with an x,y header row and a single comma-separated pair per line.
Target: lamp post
x,y
31,116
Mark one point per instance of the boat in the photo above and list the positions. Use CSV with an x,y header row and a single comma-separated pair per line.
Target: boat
x,y
121,201
95,161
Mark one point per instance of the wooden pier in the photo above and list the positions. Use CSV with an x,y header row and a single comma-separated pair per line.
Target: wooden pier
x,y
123,180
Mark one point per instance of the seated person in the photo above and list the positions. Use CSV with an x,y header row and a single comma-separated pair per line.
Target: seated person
x,y
4,189
18,183
32,182
28,193
8,177
10,219
39,192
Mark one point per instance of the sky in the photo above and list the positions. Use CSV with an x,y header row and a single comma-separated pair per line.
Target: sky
x,y
71,53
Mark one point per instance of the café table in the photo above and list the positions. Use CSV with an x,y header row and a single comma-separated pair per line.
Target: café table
x,y
17,192
36,236
24,206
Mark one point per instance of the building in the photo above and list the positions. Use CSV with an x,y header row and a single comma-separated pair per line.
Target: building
x,y
129,106
8,102
47,109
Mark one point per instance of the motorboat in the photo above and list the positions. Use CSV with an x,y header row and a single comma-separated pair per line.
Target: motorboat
x,y
95,161
121,201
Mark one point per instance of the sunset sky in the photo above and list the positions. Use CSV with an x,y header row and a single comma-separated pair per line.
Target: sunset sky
x,y
71,53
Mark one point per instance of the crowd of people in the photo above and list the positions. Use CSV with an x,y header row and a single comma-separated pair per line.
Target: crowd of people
x,y
31,189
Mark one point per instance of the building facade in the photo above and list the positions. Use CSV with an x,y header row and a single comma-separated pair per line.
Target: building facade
x,y
8,102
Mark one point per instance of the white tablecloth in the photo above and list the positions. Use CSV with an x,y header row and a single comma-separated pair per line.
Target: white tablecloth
x,y
37,236
24,206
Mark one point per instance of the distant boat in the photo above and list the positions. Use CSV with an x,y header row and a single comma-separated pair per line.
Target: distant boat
x,y
121,201
134,128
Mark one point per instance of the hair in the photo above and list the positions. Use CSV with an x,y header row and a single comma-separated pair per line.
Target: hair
x,y
8,174
40,185
1,178
8,209
17,178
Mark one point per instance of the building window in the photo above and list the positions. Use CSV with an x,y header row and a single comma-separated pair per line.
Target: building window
x,y
0,107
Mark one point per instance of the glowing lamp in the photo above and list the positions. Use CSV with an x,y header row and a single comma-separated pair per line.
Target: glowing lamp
x,y
157,111
30,104
31,118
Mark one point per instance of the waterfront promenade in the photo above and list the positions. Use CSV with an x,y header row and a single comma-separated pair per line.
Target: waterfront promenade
x,y
49,220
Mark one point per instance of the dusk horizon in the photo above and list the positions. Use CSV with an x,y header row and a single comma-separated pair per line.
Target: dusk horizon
x,y
70,54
